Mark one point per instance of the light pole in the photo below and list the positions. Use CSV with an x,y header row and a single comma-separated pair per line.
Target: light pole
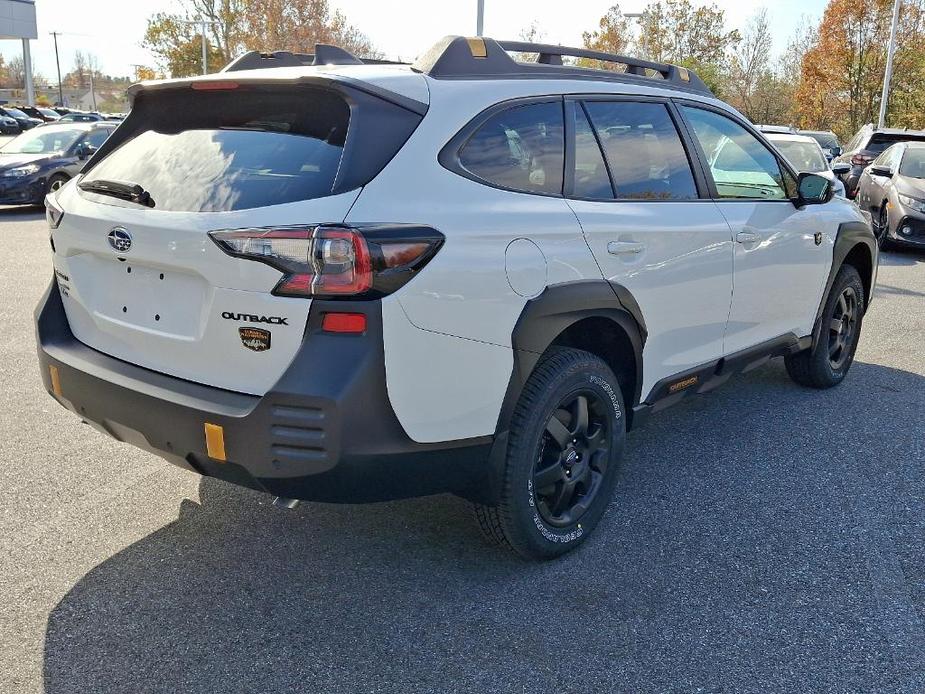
x,y
480,18
885,96
58,64
203,23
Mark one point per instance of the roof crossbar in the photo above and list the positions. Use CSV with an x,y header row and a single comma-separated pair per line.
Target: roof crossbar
x,y
324,54
473,58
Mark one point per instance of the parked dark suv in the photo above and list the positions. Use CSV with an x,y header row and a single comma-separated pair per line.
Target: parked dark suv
x,y
865,146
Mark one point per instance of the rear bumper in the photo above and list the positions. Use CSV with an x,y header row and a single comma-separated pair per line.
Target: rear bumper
x,y
325,432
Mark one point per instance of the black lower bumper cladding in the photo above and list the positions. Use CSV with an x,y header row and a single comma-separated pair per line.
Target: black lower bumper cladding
x,y
325,432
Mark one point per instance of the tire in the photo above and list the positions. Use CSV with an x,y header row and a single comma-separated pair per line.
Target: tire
x,y
882,228
828,361
55,182
562,460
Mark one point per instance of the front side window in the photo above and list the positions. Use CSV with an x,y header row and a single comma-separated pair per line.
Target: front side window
x,y
521,148
644,151
741,165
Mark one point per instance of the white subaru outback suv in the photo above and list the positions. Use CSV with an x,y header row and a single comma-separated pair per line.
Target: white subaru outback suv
x,y
333,280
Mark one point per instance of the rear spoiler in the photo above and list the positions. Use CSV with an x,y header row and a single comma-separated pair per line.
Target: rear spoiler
x,y
223,80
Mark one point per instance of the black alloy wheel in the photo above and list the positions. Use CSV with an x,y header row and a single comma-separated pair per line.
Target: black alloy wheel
x,y
883,225
842,327
573,458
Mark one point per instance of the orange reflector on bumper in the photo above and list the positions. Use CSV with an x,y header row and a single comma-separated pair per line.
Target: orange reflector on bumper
x,y
55,379
215,441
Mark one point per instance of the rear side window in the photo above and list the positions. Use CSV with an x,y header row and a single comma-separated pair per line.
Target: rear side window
x,y
644,151
222,151
521,148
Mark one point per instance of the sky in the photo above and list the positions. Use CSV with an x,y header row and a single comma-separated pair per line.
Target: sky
x,y
112,30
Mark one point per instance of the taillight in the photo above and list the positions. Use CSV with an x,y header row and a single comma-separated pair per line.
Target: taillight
x,y
53,213
861,160
330,262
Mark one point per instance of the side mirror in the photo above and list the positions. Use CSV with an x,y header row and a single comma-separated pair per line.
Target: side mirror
x,y
813,189
881,171
841,168
85,150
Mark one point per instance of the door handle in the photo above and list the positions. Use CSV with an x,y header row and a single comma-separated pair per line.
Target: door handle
x,y
625,248
748,237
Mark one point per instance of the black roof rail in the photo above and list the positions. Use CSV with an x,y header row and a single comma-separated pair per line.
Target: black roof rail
x,y
472,58
324,54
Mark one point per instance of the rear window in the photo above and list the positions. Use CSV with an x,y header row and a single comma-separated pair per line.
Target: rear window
x,y
880,142
234,150
521,148
826,140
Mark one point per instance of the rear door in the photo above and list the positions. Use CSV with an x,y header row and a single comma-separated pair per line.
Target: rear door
x,y
650,229
143,281
780,264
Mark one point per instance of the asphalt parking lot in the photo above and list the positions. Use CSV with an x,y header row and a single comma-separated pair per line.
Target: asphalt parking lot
x,y
764,538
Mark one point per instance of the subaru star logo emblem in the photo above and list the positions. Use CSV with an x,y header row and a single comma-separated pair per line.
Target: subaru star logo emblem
x,y
120,239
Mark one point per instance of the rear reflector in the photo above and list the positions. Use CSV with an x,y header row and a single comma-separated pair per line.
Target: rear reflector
x,y
214,86
55,380
215,442
344,323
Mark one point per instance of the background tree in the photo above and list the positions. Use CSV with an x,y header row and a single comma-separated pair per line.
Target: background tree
x,y
842,74
614,33
242,25
750,66
674,31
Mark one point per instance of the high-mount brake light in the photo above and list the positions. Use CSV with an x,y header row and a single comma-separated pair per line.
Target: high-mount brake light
x,y
333,261
214,86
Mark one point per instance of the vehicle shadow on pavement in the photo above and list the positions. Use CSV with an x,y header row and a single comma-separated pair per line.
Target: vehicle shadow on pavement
x,y
764,538
21,213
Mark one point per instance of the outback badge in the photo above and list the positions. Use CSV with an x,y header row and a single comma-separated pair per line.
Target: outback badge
x,y
256,339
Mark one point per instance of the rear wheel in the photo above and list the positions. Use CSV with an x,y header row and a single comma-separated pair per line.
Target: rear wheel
x,y
827,362
566,440
55,183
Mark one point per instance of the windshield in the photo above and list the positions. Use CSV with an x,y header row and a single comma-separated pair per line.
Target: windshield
x,y
41,142
16,113
913,163
48,112
803,156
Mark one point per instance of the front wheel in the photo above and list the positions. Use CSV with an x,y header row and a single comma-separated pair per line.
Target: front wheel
x,y
882,228
827,362
55,183
566,440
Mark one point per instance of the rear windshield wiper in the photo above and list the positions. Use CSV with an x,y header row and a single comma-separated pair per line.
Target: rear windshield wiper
x,y
119,189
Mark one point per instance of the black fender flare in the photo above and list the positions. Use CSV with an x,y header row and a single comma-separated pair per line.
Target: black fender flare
x,y
541,321
850,235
